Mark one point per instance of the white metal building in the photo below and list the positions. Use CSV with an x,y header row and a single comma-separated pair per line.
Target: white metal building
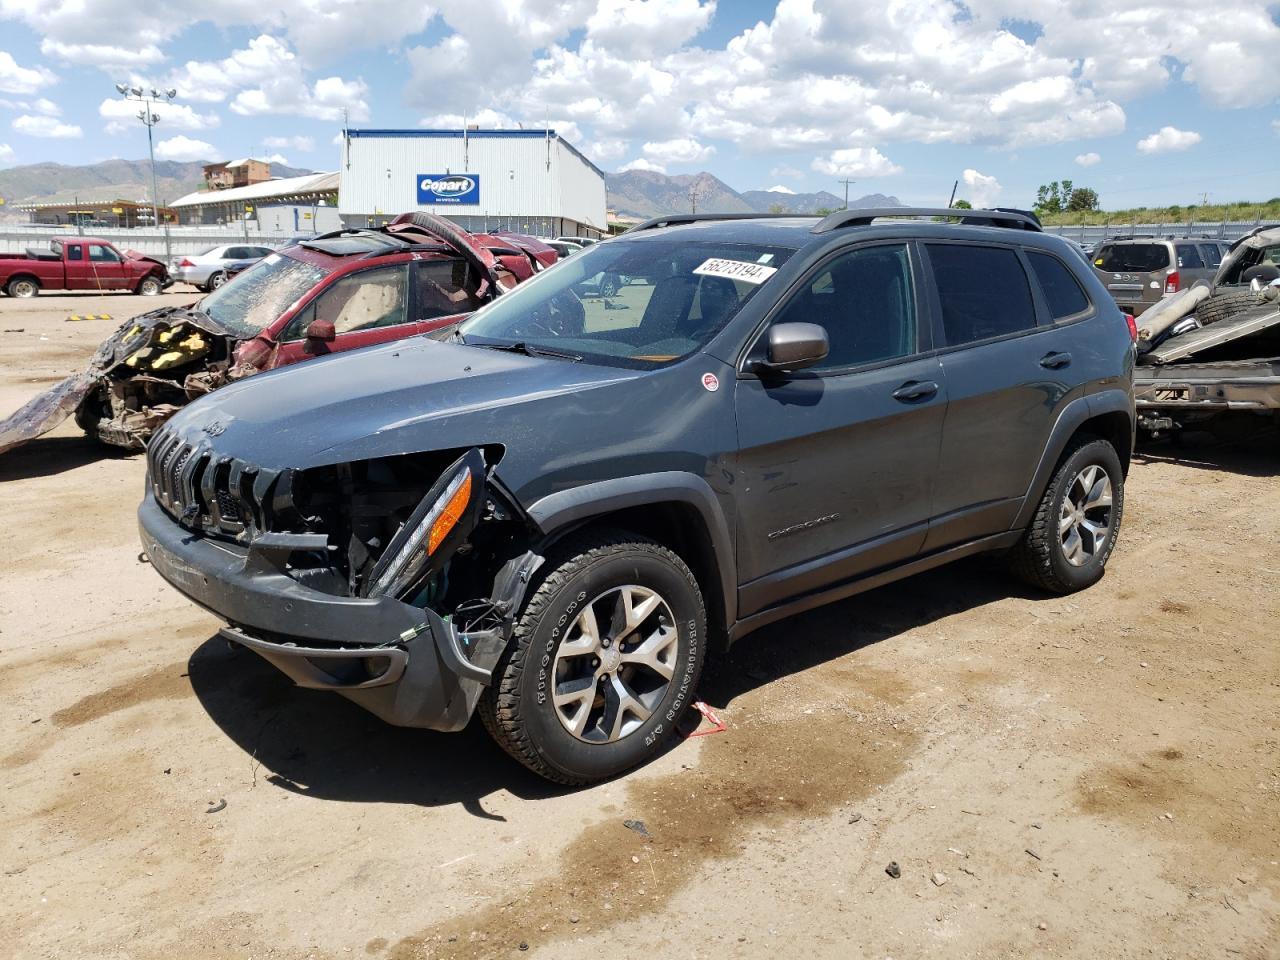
x,y
240,203
532,181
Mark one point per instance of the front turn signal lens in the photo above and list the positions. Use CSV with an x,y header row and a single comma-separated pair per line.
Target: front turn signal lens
x,y
453,510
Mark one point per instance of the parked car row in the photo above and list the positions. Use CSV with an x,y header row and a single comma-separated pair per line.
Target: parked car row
x,y
326,295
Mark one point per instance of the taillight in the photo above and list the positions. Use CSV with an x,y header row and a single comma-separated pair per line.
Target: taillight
x,y
1133,326
184,262
1171,282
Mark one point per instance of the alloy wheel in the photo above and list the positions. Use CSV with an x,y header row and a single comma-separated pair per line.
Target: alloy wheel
x,y
1084,523
615,664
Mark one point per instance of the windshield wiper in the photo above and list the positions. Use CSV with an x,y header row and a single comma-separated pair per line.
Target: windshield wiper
x,y
529,350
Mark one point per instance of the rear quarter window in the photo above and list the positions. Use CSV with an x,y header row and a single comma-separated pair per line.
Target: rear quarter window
x,y
983,292
1062,292
1133,258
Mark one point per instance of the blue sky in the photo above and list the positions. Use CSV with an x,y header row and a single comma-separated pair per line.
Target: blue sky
x,y
1148,104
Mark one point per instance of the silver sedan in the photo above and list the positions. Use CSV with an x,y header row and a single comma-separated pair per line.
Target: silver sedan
x,y
208,270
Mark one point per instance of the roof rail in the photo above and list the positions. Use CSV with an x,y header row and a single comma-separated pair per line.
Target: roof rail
x,y
982,218
678,219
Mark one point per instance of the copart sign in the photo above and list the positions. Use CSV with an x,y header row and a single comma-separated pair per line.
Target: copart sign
x,y
458,188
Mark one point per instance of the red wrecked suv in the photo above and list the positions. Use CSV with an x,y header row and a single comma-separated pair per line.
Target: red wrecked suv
x,y
339,291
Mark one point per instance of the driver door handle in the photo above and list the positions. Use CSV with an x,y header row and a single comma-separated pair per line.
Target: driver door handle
x,y
1055,360
915,390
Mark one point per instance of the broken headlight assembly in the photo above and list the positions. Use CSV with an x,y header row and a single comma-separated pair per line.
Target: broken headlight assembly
x,y
444,517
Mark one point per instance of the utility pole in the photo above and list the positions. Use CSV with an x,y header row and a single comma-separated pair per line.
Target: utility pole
x,y
846,191
150,118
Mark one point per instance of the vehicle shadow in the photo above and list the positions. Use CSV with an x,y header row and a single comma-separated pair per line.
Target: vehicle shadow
x,y
839,629
1247,447
317,744
50,456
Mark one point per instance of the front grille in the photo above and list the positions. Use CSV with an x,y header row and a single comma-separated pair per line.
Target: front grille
x,y
204,491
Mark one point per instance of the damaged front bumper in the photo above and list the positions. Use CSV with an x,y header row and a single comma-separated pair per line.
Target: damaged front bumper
x,y
405,664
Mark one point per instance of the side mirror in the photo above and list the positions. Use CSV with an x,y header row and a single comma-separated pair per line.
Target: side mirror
x,y
321,330
794,346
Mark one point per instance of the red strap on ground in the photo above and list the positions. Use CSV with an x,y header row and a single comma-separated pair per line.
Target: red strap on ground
x,y
717,725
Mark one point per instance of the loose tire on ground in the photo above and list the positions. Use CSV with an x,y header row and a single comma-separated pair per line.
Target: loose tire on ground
x,y
521,709
1040,558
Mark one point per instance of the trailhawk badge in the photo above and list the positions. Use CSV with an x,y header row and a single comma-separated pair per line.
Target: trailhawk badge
x,y
711,382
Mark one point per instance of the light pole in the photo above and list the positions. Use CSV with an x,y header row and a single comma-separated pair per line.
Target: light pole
x,y
846,183
148,116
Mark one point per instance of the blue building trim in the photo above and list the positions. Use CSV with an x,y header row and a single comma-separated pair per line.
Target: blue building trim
x,y
472,135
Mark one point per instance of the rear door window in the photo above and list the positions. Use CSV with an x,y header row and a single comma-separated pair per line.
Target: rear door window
x,y
1211,253
983,292
1133,258
1062,292
444,288
1189,257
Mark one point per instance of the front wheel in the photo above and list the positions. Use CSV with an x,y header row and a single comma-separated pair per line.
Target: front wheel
x,y
1076,523
603,663
149,287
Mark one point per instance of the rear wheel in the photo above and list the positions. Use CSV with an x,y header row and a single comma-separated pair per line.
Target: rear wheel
x,y
217,280
609,285
23,288
1075,525
604,661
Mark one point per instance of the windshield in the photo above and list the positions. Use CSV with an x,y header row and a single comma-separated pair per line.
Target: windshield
x,y
256,298
629,303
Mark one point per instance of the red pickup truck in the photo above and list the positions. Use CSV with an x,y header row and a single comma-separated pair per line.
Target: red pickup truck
x,y
80,263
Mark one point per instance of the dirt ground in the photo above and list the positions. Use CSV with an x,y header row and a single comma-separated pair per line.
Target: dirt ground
x,y
1091,776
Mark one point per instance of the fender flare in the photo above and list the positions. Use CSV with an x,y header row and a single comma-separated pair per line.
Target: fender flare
x,y
1073,415
560,512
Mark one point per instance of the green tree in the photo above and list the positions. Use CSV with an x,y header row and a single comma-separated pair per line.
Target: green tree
x,y
962,205
1082,198
823,211
777,208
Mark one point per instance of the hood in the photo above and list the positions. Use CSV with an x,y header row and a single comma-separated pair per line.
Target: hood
x,y
135,255
401,397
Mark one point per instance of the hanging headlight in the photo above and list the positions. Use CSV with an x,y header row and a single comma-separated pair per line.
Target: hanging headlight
x,y
444,517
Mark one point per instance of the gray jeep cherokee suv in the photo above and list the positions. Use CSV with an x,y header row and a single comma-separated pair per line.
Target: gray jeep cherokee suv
x,y
556,512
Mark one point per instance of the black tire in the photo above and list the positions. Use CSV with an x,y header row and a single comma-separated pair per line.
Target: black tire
x,y
518,710
217,280
22,288
1220,306
1040,557
149,287
609,285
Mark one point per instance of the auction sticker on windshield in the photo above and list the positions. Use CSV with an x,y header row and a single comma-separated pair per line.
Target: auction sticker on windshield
x,y
736,270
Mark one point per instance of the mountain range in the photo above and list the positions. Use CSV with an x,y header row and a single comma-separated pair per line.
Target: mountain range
x,y
637,193
108,180
644,193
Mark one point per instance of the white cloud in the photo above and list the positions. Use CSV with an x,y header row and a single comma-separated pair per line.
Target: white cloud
x,y
48,127
682,150
123,115
983,191
1088,159
47,107
6,153
276,158
640,163
485,119
791,173
606,150
185,149
1168,139
23,80
326,99
779,188
304,144
649,27
106,57
856,162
